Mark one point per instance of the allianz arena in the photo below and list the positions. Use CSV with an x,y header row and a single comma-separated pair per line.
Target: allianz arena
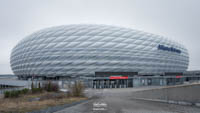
x,y
83,50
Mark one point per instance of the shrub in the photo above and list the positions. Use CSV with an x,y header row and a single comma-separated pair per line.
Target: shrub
x,y
77,89
25,91
6,94
14,94
19,91
46,86
51,87
32,85
39,86
54,87
36,90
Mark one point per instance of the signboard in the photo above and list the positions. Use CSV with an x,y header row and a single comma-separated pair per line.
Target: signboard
x,y
178,76
171,49
118,77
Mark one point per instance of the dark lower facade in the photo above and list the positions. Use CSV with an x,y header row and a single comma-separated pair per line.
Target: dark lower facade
x,y
133,79
124,79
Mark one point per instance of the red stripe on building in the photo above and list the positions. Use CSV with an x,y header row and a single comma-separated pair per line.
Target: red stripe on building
x,y
178,76
118,77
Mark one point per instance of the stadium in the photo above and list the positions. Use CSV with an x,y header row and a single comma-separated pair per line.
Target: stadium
x,y
102,55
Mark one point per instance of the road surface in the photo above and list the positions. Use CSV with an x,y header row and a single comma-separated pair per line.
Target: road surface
x,y
121,101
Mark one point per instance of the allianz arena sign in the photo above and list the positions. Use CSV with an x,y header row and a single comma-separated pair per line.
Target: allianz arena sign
x,y
171,49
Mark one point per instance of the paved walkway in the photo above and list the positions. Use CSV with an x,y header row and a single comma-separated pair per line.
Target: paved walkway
x,y
121,101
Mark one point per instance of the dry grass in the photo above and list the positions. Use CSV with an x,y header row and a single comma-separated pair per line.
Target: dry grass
x,y
23,103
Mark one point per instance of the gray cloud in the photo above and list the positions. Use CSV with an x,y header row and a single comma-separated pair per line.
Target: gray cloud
x,y
176,19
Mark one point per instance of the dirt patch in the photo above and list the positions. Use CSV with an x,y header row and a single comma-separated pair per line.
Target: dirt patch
x,y
23,104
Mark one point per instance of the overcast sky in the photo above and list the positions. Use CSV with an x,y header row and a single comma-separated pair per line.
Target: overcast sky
x,y
177,19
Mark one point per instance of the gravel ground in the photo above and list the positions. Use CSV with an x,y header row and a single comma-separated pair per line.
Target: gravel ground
x,y
121,101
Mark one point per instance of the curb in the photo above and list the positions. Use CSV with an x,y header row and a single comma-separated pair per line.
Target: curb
x,y
58,108
171,102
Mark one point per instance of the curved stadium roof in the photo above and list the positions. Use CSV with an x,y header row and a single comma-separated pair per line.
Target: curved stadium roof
x,y
85,49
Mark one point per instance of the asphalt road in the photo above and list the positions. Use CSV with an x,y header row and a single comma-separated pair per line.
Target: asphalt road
x,y
121,101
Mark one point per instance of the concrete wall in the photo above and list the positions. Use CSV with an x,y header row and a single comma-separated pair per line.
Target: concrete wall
x,y
186,93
